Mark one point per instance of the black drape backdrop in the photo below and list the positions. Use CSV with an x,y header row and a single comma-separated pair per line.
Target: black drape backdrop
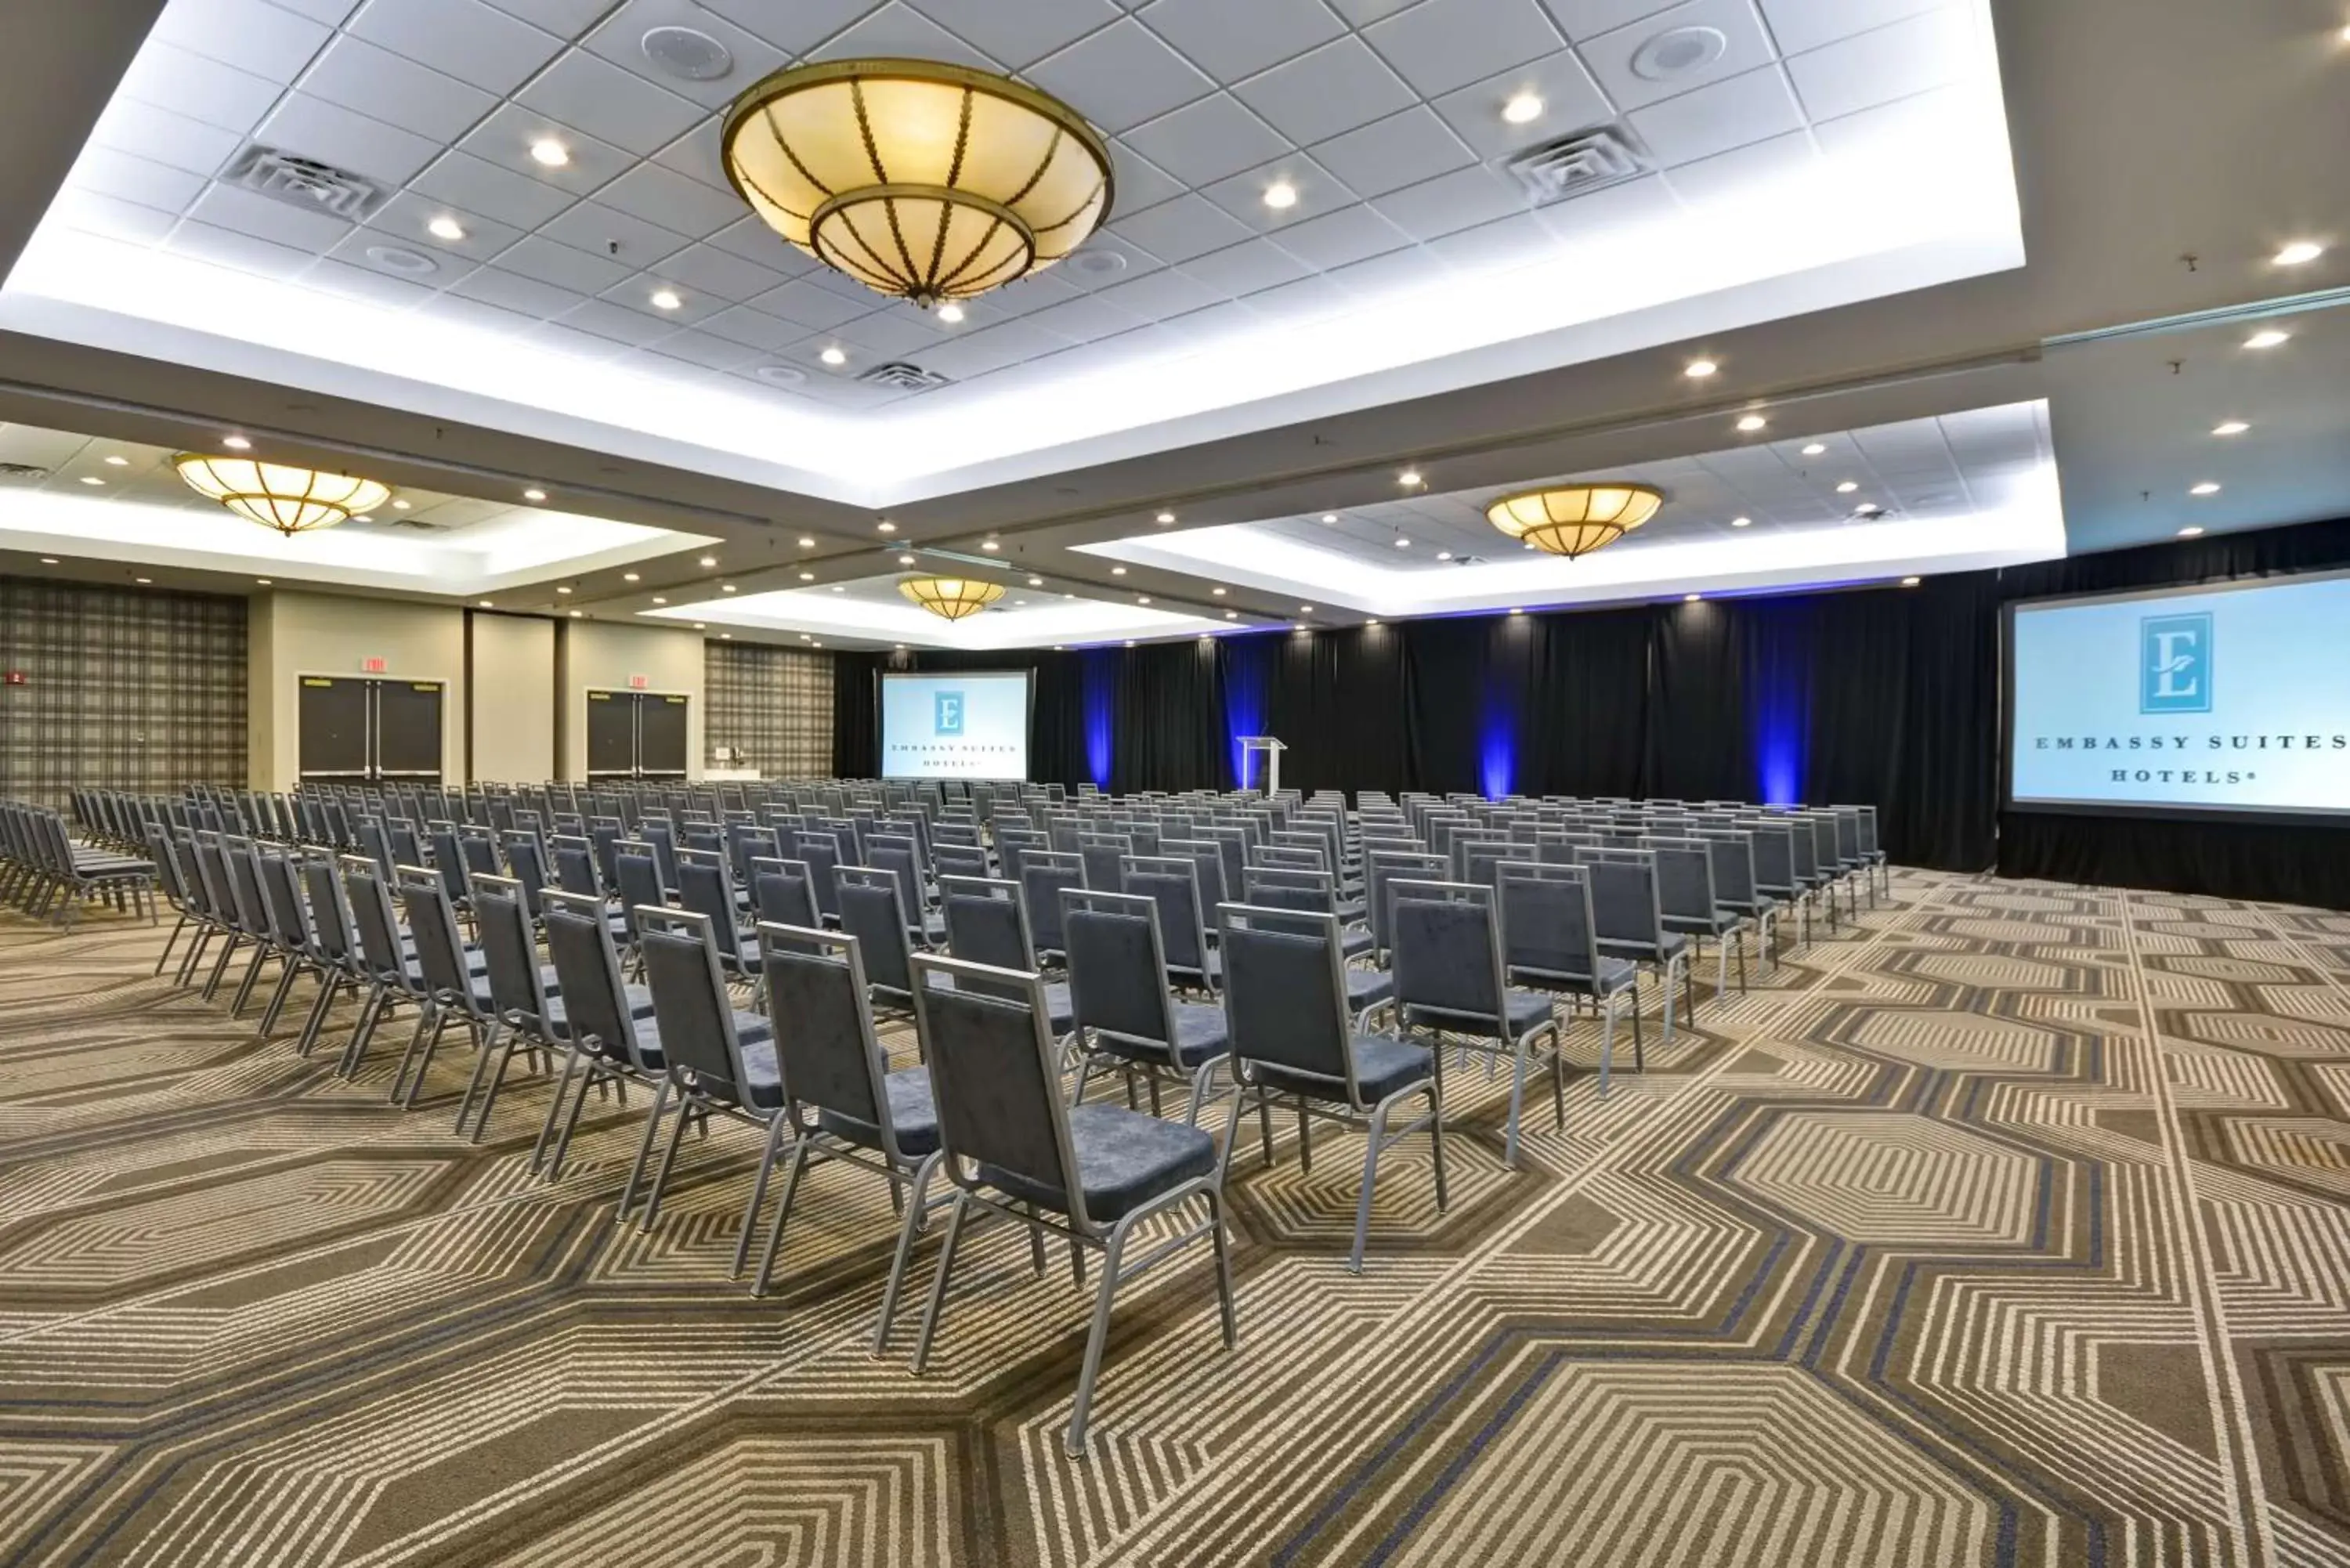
x,y
1882,695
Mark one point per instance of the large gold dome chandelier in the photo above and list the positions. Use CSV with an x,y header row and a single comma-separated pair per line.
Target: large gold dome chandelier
x,y
925,180
952,598
1573,520
280,495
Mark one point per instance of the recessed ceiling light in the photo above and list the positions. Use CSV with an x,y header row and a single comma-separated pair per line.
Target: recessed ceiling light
x,y
48,560
1444,555
709,560
1370,623
1752,422
725,587
725,637
2299,252
445,227
2188,533
1281,196
2229,427
1402,543
562,590
550,152
1742,522
1329,517
118,462
91,479
659,600
666,299
905,560
1814,450
1908,582
1142,598
362,519
1129,642
835,356
399,505
1516,610
950,313
1068,595
2205,488
808,577
237,443
1523,109
1408,478
1117,571
577,613
1036,582
839,589
265,582
1699,370
813,644
2268,338
1691,598
1232,615
1847,487
989,545
698,625
1217,592
628,578
887,526
143,582
1304,609
484,604
1165,517
897,645
533,495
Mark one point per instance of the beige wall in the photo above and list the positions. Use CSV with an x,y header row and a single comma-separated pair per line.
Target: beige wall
x,y
593,656
515,697
293,635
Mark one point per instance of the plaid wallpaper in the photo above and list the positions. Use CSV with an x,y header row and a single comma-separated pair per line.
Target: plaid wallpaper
x,y
775,703
124,689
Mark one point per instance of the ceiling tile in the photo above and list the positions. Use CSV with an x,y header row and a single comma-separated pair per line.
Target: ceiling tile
x,y
125,177
1188,226
164,137
463,38
636,293
1319,192
1206,140
1801,24
1019,33
750,238
1120,76
897,334
898,31
711,353
755,329
513,291
1440,44
201,88
93,214
813,307
1090,270
1164,293
506,138
564,18
1084,319
1363,13
629,242
387,86
1581,19
1139,182
1635,204
242,252
448,306
1629,78
716,273
696,155
795,28
1033,292
1896,62
1451,202
266,218
602,318
1571,101
1731,176
463,180
1338,238
1389,154
620,39
1302,300
246,34
332,134
1336,87
1230,39
684,206
596,95
1245,268
563,266
1519,240
384,289
330,11
1731,113
408,216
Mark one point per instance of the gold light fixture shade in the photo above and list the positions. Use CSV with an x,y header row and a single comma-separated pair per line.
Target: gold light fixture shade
x,y
952,598
280,495
1574,520
926,181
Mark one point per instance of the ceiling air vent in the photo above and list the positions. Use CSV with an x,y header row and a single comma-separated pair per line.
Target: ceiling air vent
x,y
307,182
1573,165
906,378
23,471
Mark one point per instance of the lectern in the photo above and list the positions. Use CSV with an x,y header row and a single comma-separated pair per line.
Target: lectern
x,y
1254,746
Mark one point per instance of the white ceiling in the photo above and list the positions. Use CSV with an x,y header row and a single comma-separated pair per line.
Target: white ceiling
x,y
1384,116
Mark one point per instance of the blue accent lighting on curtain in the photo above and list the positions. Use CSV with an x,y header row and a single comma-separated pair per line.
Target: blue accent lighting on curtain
x,y
1097,694
1779,715
1497,757
1247,671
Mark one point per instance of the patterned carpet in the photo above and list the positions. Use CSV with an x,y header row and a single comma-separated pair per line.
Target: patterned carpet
x,y
2006,1229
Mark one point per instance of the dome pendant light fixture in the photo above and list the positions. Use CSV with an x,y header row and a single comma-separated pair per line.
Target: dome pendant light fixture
x,y
952,598
280,495
921,180
1573,520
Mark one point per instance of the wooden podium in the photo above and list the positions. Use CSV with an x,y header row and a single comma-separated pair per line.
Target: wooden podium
x,y
1253,746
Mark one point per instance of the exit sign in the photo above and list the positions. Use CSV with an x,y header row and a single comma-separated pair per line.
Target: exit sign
x,y
372,667
18,678
639,682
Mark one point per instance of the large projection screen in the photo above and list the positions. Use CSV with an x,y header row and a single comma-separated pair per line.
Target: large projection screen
x,y
973,725
2229,701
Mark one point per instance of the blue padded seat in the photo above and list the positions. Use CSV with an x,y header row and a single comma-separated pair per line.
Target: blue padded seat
x,y
766,1089
1123,1160
1368,988
1382,1065
912,1112
558,1022
1526,1009
1670,947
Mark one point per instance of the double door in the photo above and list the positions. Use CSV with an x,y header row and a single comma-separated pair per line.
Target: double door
x,y
369,729
636,735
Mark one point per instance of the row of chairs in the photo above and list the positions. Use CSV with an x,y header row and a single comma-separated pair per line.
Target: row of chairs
x,y
47,875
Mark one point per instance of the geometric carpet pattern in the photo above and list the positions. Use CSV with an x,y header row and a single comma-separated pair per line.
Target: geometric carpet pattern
x,y
2009,1225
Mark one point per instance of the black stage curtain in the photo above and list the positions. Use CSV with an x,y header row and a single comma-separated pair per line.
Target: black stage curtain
x,y
1889,696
